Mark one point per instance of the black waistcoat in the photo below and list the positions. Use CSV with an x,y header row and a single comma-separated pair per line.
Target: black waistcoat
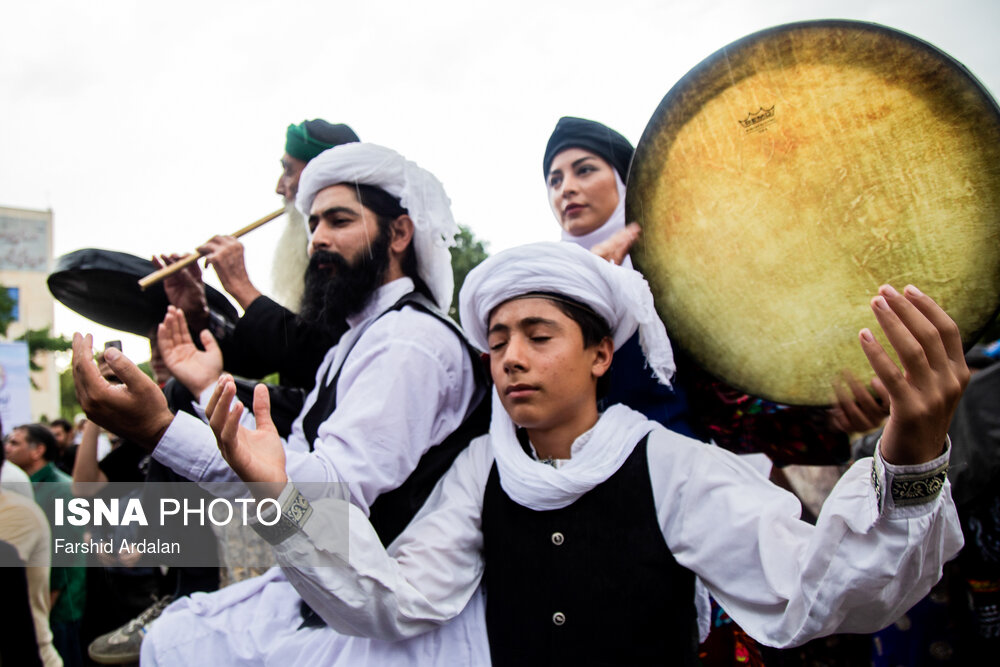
x,y
393,510
593,583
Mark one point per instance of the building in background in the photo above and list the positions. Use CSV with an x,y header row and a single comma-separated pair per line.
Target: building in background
x,y
25,263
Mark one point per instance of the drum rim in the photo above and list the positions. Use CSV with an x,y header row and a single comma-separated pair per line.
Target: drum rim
x,y
698,72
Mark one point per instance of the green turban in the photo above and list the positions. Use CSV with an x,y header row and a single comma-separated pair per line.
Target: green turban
x,y
311,137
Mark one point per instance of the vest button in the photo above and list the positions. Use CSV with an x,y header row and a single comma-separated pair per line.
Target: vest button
x,y
559,618
558,538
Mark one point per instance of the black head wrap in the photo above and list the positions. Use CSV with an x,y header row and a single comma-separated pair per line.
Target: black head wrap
x,y
592,136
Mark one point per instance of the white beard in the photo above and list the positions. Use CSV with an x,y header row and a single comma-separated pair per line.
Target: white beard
x,y
288,269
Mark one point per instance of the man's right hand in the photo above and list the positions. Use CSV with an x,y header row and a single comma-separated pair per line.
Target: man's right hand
x,y
186,290
225,253
135,410
195,369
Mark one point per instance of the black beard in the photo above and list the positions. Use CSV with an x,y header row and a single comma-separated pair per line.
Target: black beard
x,y
332,294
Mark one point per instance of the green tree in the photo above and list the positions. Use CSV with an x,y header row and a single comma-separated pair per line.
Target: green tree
x,y
7,305
466,254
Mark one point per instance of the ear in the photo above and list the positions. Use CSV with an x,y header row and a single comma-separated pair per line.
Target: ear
x,y
401,234
603,353
37,452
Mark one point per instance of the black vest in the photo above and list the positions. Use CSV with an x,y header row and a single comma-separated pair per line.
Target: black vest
x,y
393,510
593,583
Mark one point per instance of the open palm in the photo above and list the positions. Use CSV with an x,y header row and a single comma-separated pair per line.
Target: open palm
x,y
195,369
256,455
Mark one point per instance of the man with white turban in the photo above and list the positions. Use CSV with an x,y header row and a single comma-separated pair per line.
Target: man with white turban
x,y
395,400
587,529
268,338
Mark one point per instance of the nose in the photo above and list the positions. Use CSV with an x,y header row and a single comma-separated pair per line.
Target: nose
x,y
321,238
569,186
514,358
280,188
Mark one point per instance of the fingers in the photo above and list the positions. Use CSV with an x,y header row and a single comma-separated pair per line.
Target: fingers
x,y
951,337
886,370
218,248
857,410
87,379
223,406
262,408
173,332
214,400
126,371
230,430
916,340
208,342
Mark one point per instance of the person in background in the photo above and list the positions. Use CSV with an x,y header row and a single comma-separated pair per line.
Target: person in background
x,y
33,448
26,636
62,431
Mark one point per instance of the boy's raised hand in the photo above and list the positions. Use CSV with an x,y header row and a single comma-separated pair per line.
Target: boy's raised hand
x,y
924,394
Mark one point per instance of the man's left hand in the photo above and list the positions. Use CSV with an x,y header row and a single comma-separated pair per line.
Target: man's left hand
x,y
257,456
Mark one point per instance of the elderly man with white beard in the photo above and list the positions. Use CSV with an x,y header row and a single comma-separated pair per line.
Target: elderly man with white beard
x,y
269,337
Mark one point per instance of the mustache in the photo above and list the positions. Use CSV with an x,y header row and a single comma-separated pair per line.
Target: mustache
x,y
326,259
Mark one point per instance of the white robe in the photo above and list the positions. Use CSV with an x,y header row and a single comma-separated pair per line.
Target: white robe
x,y
782,580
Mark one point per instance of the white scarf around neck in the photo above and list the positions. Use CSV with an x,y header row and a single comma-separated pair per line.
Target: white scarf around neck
x,y
541,487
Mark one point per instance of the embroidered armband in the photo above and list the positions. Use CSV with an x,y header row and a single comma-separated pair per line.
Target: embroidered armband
x,y
295,509
917,488
903,486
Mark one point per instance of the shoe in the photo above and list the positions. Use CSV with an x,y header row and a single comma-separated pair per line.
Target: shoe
x,y
122,645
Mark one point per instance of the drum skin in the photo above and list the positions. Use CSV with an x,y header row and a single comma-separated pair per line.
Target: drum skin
x,y
789,175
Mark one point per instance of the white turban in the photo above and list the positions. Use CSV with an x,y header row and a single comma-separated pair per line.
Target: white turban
x,y
418,191
618,294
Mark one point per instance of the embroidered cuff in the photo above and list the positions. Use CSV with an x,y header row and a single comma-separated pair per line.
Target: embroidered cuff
x,y
908,485
295,510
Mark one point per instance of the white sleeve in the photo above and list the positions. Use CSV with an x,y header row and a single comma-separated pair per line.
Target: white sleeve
x,y
781,579
423,580
188,448
404,387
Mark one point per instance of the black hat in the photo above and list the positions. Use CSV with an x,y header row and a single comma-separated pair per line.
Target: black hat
x,y
592,136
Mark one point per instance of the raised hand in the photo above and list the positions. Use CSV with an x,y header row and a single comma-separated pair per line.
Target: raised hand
x,y
195,369
857,410
257,456
924,395
225,254
618,246
186,290
135,409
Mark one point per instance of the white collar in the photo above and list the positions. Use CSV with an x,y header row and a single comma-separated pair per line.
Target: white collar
x,y
381,300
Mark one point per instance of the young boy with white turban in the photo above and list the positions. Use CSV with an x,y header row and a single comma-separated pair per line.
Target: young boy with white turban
x,y
587,529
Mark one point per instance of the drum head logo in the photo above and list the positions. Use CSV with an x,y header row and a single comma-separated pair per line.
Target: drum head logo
x,y
757,121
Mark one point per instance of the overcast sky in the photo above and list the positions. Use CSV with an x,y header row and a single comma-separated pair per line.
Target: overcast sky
x,y
147,127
